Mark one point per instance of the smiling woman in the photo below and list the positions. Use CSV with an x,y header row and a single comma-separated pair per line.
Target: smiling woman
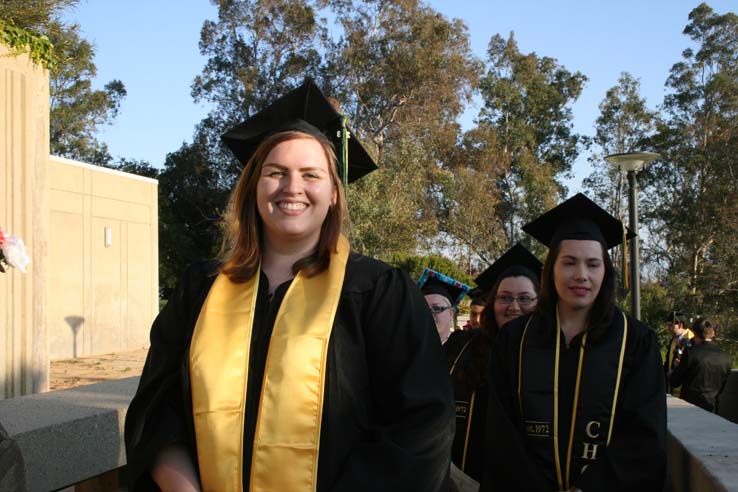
x,y
578,397
292,364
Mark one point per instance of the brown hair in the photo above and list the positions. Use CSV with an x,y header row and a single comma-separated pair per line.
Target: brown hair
x,y
603,309
242,245
489,323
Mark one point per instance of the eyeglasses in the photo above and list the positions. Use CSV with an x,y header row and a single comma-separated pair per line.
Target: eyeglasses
x,y
439,309
523,300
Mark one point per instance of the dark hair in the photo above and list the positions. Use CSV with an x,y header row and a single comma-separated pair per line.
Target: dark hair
x,y
703,328
676,318
242,242
603,309
480,300
489,324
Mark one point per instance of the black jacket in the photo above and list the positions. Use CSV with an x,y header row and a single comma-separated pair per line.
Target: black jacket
x,y
702,373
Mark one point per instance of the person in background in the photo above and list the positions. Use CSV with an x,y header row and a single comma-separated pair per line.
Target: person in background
x,y
681,339
577,392
292,364
478,301
511,283
443,294
704,368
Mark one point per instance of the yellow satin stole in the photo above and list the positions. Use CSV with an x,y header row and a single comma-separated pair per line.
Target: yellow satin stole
x,y
285,447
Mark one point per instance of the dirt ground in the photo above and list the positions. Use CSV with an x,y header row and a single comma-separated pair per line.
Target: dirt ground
x,y
68,373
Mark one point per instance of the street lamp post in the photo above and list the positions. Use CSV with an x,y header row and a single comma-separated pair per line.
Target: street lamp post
x,y
631,163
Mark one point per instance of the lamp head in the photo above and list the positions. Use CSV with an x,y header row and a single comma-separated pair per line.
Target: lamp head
x,y
632,161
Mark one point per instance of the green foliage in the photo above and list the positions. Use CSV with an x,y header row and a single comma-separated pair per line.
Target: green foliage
x,y
33,14
190,212
624,124
526,129
414,265
401,70
19,40
403,73
689,203
77,110
138,167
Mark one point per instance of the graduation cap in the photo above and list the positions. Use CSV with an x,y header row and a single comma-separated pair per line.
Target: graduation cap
x,y
307,110
433,282
675,317
517,256
578,218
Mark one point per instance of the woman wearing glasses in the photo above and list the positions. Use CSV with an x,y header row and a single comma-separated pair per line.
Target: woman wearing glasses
x,y
443,294
577,398
510,284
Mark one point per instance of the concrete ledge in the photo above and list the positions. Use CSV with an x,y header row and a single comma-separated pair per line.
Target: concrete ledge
x,y
702,449
71,435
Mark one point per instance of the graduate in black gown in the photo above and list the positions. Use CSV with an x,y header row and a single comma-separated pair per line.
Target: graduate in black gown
x,y
510,286
577,390
292,364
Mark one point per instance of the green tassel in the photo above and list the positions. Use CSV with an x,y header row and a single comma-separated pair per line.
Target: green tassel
x,y
344,153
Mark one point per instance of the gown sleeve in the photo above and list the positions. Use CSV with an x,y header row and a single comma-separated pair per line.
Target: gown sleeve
x,y
636,457
157,415
507,466
409,448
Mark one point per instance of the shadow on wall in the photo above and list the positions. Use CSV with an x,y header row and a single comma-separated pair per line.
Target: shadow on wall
x,y
75,323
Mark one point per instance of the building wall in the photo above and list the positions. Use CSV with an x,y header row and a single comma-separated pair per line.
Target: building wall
x,y
24,152
103,259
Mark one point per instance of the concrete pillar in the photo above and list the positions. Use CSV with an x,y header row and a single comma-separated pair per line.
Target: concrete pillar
x,y
24,152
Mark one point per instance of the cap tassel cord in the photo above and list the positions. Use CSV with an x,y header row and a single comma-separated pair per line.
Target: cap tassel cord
x,y
344,153
626,269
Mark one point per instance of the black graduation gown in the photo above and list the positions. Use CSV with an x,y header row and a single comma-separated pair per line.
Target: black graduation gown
x,y
635,460
388,418
468,356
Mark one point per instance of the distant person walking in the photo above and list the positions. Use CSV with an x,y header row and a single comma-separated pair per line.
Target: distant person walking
x,y
703,369
681,339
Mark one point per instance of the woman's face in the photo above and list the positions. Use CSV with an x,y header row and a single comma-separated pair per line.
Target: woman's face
x,y
578,273
515,297
294,192
443,314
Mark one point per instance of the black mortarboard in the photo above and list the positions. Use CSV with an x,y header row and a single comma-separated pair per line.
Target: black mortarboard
x,y
515,256
433,282
304,109
578,218
675,317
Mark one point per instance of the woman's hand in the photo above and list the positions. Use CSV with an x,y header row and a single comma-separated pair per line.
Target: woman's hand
x,y
173,471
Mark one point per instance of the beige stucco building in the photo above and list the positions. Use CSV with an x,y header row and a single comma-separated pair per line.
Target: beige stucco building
x,y
91,233
103,259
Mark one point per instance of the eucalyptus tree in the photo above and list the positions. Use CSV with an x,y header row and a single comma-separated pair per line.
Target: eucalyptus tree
x,y
691,199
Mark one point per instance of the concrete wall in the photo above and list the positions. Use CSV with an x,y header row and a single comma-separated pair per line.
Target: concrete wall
x,y
73,435
103,259
24,152
702,450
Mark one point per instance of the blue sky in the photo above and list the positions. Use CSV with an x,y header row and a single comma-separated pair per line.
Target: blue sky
x,y
151,45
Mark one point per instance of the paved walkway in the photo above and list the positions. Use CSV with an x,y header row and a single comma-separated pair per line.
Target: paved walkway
x,y
68,373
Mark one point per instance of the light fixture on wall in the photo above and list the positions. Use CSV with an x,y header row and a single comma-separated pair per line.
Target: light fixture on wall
x,y
108,237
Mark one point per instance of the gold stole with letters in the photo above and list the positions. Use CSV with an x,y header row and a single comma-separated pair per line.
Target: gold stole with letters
x,y
287,437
